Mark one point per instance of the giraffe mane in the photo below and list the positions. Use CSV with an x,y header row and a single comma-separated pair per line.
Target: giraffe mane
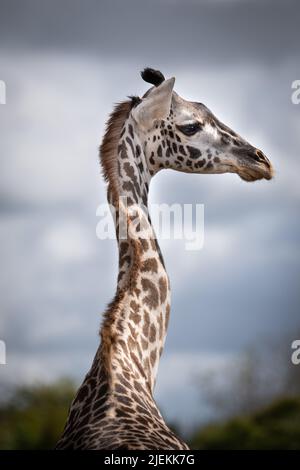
x,y
109,146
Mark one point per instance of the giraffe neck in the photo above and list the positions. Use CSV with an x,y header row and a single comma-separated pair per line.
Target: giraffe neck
x,y
114,408
138,318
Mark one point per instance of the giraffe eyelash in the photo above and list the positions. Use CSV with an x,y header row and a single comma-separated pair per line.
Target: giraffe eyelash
x,y
190,129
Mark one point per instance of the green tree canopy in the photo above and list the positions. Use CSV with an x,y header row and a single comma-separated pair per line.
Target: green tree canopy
x,y
34,417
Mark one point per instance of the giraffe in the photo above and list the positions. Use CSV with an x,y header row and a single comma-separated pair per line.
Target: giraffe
x,y
114,407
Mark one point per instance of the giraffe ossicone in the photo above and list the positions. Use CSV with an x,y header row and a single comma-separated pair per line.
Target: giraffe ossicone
x,y
114,407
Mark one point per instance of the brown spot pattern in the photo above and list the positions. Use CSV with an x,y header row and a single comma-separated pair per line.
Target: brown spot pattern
x,y
163,289
150,264
151,299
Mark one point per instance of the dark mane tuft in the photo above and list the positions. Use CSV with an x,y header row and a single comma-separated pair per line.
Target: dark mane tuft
x,y
155,77
135,100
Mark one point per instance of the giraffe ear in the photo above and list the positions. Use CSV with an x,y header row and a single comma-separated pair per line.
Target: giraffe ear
x,y
155,106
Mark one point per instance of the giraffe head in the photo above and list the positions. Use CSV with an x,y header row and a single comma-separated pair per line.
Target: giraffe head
x,y
186,136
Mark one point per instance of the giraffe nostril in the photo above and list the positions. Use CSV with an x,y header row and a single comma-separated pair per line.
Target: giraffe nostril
x,y
259,154
256,157
260,157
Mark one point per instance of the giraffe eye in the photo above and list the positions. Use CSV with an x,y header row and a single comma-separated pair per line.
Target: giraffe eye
x,y
190,129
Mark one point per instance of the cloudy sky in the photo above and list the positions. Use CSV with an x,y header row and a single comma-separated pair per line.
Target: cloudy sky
x,y
64,64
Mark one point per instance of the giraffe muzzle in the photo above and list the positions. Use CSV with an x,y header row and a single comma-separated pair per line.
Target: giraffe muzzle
x,y
253,164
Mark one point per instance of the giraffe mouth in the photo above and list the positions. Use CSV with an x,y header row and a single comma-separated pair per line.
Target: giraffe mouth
x,y
253,165
256,172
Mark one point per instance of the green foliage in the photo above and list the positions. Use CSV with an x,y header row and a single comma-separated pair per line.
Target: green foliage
x,y
34,417
276,427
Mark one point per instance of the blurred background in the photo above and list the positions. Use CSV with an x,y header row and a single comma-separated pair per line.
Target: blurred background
x,y
226,380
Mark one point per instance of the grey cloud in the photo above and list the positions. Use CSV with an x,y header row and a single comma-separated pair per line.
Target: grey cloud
x,y
159,31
